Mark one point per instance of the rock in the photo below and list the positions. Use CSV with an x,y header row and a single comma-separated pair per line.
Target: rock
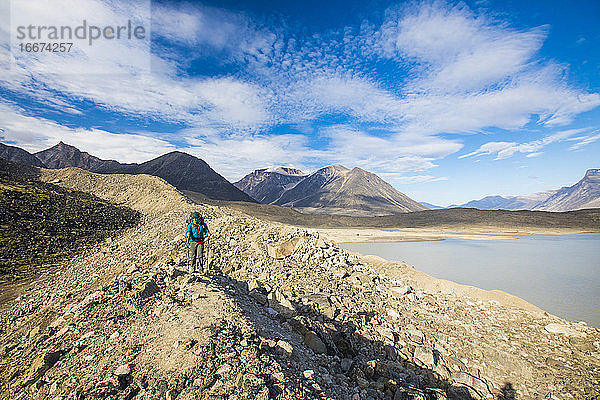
x,y
223,369
331,312
562,329
410,393
346,364
281,304
399,291
359,278
424,355
284,348
475,386
387,335
253,284
282,250
259,297
362,382
149,290
123,370
263,394
41,365
314,343
33,332
308,374
442,371
393,313
415,335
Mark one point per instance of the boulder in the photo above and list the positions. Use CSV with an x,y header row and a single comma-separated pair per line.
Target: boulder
x,y
424,355
281,304
563,329
284,348
476,387
283,249
314,343
41,365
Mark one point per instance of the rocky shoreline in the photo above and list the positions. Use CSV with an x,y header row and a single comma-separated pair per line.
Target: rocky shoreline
x,y
283,314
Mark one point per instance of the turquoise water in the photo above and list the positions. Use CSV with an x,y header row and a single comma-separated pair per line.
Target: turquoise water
x,y
558,273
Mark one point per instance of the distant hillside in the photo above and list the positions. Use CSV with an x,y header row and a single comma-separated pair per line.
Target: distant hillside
x,y
526,202
584,194
266,185
41,223
18,155
338,190
63,155
181,170
431,206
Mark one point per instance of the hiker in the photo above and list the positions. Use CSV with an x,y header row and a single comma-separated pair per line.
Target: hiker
x,y
197,233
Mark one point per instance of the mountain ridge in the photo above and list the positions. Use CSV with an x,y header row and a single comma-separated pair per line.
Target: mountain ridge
x,y
19,155
182,170
583,194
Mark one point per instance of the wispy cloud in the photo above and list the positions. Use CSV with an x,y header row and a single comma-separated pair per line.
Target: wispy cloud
x,y
504,150
584,141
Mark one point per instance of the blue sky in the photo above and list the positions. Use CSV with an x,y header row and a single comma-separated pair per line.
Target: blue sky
x,y
447,101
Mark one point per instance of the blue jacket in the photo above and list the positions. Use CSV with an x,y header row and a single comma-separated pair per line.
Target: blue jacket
x,y
196,233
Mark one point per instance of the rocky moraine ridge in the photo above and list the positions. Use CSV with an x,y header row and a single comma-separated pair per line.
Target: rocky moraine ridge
x,y
285,314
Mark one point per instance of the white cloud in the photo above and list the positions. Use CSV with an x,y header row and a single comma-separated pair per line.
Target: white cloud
x,y
400,179
35,134
461,51
471,72
126,87
584,141
504,150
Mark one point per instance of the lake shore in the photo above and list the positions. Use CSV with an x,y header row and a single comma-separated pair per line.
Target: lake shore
x,y
371,235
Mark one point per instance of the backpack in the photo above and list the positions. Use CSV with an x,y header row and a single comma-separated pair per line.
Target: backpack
x,y
195,214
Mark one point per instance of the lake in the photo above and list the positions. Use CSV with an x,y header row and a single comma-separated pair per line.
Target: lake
x,y
558,273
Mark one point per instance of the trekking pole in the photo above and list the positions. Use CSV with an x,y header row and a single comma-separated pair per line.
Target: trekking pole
x,y
189,265
204,256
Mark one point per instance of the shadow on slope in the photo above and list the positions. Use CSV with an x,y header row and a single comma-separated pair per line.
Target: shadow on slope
x,y
359,366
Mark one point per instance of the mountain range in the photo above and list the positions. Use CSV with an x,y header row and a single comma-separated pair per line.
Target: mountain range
x,y
524,202
334,189
584,194
18,155
184,171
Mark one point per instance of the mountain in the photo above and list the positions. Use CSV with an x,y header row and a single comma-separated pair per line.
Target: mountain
x,y
63,155
526,202
187,172
181,170
266,185
338,190
583,194
431,206
18,155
